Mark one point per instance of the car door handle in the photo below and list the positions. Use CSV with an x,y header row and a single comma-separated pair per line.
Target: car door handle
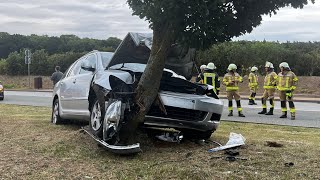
x,y
74,81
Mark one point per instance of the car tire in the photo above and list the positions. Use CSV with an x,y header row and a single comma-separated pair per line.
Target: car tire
x,y
192,134
55,116
96,119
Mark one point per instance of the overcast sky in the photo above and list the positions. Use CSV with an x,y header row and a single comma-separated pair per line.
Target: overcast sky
x,y
104,18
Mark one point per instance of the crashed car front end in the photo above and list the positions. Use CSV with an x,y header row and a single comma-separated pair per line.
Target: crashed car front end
x,y
181,105
193,110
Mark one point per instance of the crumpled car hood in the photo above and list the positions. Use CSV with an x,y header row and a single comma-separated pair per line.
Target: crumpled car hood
x,y
136,48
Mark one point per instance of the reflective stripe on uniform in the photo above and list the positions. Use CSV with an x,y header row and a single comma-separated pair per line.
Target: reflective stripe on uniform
x,y
269,87
209,75
272,105
292,110
283,109
280,82
283,89
232,88
287,82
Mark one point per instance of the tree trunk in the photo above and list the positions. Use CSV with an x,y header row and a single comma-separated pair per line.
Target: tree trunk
x,y
148,86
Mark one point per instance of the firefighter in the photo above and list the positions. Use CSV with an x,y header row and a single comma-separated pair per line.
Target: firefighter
x,y
211,77
200,76
287,82
231,80
269,87
253,85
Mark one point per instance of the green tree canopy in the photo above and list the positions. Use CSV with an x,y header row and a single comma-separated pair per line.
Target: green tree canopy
x,y
200,23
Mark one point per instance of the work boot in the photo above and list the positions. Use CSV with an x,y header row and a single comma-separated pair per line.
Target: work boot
x,y
230,113
240,114
254,103
293,116
264,111
270,112
250,102
284,115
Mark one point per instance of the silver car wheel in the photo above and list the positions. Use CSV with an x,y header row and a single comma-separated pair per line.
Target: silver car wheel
x,y
55,113
95,119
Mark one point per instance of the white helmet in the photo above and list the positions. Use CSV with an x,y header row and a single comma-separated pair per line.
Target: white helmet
x,y
211,66
268,65
271,66
254,69
284,65
203,66
232,67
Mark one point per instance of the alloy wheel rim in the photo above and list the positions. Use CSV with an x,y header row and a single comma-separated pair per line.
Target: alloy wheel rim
x,y
55,113
96,117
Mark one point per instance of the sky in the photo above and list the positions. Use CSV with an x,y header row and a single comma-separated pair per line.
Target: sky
x,y
101,19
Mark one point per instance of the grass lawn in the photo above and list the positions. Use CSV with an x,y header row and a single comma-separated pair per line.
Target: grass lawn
x,y
32,148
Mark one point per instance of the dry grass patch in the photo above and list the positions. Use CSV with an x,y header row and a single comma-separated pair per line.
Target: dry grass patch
x,y
32,148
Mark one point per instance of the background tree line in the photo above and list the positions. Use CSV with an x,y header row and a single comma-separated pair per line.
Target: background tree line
x,y
47,52
53,45
303,57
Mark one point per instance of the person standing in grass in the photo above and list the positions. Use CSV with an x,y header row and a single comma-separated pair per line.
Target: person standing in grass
x,y
56,76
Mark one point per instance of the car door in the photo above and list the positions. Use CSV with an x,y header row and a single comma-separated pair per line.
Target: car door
x,y
67,88
81,85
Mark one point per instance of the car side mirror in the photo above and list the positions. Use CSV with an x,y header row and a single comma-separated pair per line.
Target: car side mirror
x,y
87,66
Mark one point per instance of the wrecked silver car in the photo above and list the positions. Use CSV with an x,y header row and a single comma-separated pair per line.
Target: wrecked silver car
x,y
99,87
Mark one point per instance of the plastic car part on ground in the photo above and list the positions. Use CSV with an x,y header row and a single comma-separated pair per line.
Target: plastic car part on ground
x,y
235,140
128,149
170,137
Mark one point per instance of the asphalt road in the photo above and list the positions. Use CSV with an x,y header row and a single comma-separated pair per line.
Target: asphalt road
x,y
308,113
27,98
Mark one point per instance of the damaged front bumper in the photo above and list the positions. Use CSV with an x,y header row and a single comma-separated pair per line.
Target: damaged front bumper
x,y
127,149
197,112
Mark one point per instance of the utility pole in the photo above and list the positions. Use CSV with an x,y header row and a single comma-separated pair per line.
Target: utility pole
x,y
27,60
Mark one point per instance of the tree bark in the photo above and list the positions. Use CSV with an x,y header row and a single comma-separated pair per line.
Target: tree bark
x,y
148,86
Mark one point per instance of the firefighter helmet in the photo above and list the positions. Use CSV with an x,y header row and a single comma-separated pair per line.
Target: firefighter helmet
x,y
284,65
202,67
211,66
254,69
271,66
232,67
268,65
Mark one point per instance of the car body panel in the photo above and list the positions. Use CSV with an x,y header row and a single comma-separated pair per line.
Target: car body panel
x,y
102,77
